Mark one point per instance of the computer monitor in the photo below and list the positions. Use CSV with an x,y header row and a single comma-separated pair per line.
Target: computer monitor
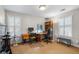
x,y
30,29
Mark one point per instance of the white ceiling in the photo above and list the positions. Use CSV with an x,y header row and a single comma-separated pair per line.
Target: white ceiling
x,y
52,10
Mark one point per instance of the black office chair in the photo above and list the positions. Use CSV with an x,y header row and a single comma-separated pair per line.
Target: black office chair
x,y
48,37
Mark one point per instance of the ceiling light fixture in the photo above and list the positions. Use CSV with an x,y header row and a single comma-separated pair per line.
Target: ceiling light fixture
x,y
42,7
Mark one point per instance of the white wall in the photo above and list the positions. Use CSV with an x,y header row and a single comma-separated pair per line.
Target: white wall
x,y
28,21
31,21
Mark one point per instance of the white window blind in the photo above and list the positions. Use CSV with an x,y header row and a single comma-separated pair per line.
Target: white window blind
x,y
14,25
65,26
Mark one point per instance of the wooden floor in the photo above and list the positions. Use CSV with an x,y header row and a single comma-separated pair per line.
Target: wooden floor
x,y
44,48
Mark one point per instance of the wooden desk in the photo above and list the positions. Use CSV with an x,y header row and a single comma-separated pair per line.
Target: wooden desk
x,y
41,33
40,36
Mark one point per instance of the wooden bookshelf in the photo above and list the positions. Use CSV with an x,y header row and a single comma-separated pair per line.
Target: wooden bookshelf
x,y
48,24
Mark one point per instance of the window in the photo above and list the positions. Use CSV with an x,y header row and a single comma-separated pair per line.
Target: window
x,y
10,23
61,31
61,26
11,30
68,20
2,29
2,20
65,26
14,25
2,24
68,26
39,28
68,31
17,26
61,22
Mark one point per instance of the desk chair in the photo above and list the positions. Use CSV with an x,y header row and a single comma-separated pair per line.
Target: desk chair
x,y
25,37
48,36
